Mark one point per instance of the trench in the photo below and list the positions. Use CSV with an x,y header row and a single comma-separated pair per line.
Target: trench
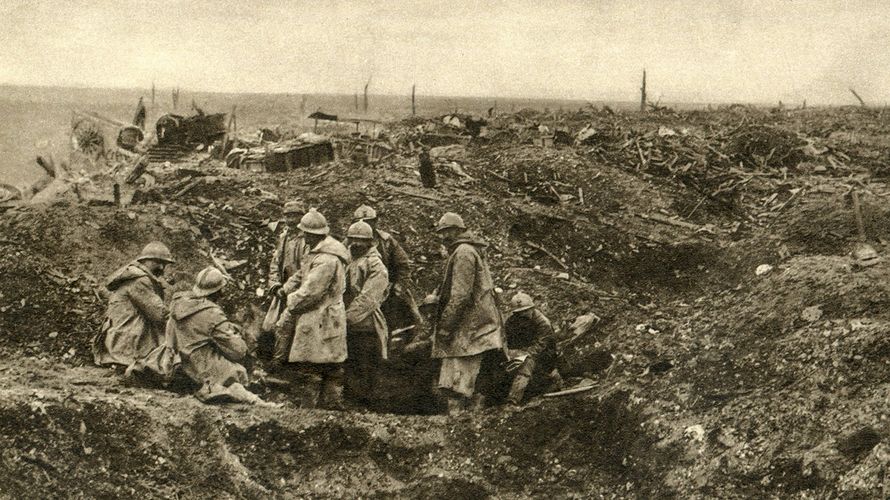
x,y
170,447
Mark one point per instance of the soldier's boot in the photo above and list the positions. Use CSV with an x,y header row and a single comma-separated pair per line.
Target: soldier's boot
x,y
517,389
284,335
332,391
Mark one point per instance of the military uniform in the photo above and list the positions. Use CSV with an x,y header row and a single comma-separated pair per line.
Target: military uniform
x,y
134,318
530,335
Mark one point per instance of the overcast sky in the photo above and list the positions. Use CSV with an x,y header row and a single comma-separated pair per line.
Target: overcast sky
x,y
693,50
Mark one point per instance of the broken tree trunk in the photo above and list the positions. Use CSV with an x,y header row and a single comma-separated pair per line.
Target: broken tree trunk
x,y
643,94
366,94
861,102
413,106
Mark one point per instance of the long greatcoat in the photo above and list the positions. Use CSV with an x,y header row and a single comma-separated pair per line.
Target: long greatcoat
x,y
287,260
320,332
366,283
134,318
468,321
209,346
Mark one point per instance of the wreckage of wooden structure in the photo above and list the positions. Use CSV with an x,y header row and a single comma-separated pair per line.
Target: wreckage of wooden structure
x,y
282,157
363,151
371,124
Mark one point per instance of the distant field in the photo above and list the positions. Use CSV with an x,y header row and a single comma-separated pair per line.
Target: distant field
x,y
36,119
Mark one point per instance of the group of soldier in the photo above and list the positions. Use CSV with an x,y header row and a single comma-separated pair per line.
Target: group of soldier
x,y
336,307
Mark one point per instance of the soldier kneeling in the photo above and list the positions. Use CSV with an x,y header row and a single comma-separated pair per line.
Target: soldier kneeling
x,y
531,347
210,348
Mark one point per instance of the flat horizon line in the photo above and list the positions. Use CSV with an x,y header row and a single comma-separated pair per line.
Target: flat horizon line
x,y
435,96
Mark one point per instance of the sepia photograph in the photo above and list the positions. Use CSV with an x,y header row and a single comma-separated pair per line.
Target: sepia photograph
x,y
605,249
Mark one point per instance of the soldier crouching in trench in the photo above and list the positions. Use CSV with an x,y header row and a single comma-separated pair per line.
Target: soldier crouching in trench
x,y
201,343
210,348
531,350
136,313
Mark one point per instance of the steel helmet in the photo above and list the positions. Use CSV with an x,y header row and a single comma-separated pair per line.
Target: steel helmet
x,y
522,302
208,281
450,219
157,251
364,212
360,231
314,223
294,207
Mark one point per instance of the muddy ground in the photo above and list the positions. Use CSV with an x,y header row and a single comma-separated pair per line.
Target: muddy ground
x,y
711,380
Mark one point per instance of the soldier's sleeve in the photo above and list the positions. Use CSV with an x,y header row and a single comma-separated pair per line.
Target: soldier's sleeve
x,y
314,285
149,303
401,260
545,335
463,277
292,283
227,337
372,293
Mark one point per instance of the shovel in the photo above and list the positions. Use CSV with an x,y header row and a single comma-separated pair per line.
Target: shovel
x,y
864,254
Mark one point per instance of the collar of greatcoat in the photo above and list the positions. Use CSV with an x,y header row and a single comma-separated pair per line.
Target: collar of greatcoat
x,y
331,246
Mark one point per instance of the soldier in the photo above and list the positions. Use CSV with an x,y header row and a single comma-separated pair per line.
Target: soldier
x,y
366,331
318,344
135,316
400,309
531,349
467,321
285,277
209,346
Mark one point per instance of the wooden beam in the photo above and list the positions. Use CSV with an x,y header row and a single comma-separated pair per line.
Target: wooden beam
x,y
548,254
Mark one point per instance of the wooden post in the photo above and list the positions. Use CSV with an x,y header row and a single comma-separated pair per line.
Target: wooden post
x,y
413,106
356,100
302,106
643,94
861,102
